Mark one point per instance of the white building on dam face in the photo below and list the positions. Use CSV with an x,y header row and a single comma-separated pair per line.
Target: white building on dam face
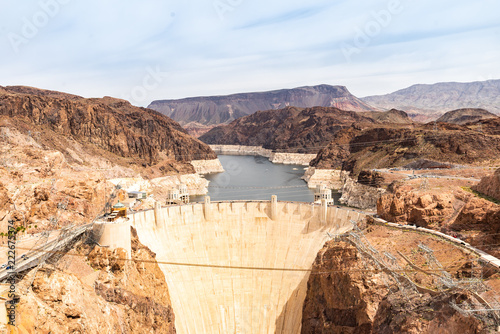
x,y
179,195
322,193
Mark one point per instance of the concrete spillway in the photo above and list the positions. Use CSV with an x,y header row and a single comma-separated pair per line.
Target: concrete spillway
x,y
247,235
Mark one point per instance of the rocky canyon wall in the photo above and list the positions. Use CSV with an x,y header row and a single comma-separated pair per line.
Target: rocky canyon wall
x,y
331,178
348,294
490,185
107,127
274,157
358,195
207,166
94,290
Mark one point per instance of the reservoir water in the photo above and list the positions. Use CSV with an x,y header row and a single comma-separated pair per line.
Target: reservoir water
x,y
256,178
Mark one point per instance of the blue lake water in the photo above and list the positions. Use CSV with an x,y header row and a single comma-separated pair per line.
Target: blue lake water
x,y
256,178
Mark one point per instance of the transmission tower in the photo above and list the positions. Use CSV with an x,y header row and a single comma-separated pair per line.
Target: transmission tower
x,y
474,285
475,282
395,267
424,185
44,238
445,277
391,267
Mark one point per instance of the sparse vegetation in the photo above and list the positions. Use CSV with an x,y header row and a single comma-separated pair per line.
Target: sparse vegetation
x,y
483,196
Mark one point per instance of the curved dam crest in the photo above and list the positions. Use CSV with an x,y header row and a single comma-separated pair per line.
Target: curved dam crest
x,y
260,239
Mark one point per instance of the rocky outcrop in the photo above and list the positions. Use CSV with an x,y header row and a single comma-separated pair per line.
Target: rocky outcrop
x,y
422,209
274,157
224,109
106,127
489,126
460,213
207,166
483,218
370,178
392,116
330,178
196,129
340,297
5,201
292,129
441,97
490,185
355,149
467,115
347,294
241,150
98,293
358,195
337,151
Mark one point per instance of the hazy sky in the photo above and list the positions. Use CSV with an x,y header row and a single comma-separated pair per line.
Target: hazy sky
x,y
156,49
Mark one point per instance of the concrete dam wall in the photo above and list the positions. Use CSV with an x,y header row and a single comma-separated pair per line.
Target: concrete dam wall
x,y
239,267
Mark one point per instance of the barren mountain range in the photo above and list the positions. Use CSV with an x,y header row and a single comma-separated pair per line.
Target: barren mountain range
x,y
198,113
355,141
422,102
434,100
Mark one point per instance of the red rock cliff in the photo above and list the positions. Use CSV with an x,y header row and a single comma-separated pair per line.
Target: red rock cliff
x,y
347,295
108,124
490,185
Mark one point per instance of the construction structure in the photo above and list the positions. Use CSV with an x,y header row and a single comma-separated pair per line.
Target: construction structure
x,y
178,195
221,241
216,258
113,235
478,306
118,210
323,193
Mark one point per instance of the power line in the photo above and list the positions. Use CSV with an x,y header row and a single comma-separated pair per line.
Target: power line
x,y
188,264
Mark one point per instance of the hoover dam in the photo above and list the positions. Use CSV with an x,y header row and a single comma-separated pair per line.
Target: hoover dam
x,y
239,266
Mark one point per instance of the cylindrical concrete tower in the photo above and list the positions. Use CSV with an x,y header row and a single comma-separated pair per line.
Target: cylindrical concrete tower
x,y
114,235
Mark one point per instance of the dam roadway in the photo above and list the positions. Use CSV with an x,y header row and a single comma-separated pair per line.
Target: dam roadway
x,y
240,266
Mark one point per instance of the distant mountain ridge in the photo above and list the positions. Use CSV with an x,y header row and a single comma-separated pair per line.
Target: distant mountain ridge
x,y
391,116
300,130
463,116
433,100
214,110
